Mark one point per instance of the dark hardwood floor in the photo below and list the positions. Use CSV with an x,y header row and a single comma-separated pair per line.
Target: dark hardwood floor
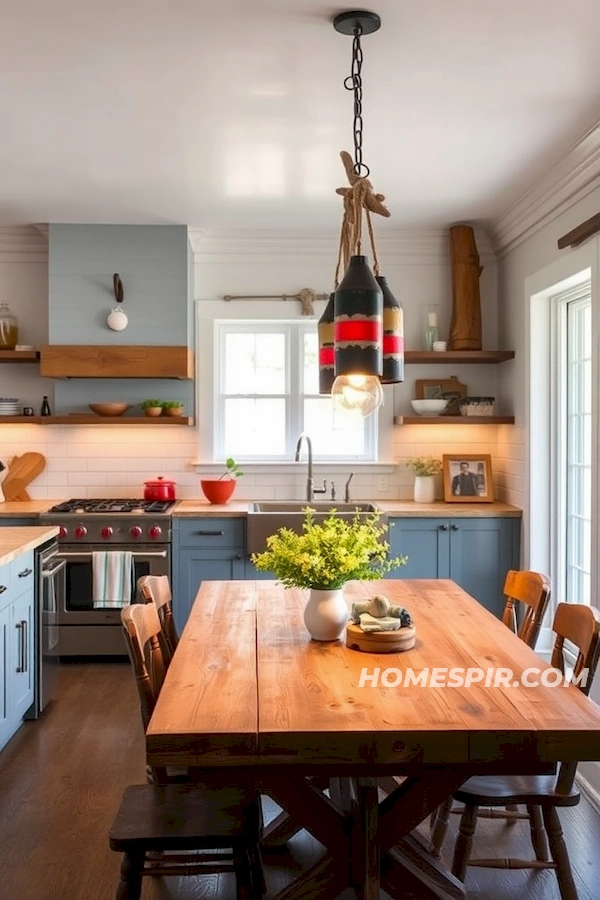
x,y
61,779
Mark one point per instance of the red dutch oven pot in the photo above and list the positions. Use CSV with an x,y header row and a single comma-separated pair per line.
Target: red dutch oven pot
x,y
159,489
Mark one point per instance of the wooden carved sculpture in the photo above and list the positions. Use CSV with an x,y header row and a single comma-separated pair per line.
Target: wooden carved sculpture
x,y
465,327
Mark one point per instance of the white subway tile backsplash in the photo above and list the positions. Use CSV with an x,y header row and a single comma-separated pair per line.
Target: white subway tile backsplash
x,y
109,461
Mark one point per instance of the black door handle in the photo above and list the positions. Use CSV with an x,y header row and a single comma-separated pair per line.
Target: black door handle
x,y
25,573
454,527
443,528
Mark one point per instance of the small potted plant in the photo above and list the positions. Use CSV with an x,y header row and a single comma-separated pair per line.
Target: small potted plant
x,y
219,490
172,407
424,468
323,558
152,407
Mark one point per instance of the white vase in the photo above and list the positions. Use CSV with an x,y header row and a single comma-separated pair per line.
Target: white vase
x,y
326,614
424,489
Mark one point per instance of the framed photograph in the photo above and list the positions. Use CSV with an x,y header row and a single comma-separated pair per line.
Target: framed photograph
x,y
449,389
468,478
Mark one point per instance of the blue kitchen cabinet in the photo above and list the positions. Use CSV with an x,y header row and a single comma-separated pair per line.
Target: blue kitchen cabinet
x,y
16,643
204,549
475,552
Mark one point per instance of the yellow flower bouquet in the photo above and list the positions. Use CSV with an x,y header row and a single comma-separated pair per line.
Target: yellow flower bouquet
x,y
327,555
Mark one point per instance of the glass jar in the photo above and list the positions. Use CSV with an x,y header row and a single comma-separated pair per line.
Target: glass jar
x,y
9,328
432,331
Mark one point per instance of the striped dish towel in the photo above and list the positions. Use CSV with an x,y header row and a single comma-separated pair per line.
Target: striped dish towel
x,y
112,575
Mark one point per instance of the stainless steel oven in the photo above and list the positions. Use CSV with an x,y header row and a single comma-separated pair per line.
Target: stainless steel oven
x,y
144,528
88,631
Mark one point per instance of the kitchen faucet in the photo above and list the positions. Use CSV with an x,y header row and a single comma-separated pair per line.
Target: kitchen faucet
x,y
311,490
347,488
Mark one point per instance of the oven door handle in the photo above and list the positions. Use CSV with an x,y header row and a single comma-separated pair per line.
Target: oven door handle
x,y
162,554
51,571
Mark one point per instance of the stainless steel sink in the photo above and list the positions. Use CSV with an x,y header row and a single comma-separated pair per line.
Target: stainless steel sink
x,y
265,517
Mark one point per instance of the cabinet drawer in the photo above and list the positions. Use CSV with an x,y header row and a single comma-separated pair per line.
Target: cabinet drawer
x,y
211,532
7,593
22,573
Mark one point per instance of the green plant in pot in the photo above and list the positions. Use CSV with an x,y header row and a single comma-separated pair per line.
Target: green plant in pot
x,y
152,407
219,490
172,407
425,469
323,558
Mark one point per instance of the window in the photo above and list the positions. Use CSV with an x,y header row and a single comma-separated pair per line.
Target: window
x,y
573,470
267,393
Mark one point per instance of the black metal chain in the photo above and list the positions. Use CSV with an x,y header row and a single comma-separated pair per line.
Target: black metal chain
x,y
354,83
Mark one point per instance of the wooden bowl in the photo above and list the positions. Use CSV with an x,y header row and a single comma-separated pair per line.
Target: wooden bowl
x,y
380,641
109,409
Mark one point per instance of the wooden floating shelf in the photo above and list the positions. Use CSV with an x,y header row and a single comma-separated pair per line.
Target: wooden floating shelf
x,y
19,356
104,361
458,356
454,420
83,419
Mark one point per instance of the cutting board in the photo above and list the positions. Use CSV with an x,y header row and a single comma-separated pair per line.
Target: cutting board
x,y
22,471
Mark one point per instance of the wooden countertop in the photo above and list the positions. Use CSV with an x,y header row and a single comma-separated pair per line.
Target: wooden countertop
x,y
20,508
14,541
401,508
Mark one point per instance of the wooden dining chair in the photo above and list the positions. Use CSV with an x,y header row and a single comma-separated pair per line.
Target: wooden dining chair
x,y
180,828
157,589
541,794
533,591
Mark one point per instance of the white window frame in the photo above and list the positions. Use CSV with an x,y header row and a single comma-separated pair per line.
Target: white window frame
x,y
294,331
560,337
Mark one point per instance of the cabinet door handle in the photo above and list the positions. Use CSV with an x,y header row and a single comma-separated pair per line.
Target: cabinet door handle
x,y
25,573
238,556
19,627
210,533
25,642
454,527
3,588
443,528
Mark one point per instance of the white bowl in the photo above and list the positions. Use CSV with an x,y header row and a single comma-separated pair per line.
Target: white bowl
x,y
429,407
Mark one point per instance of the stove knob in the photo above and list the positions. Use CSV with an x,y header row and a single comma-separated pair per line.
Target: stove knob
x,y
135,532
80,531
107,532
62,531
155,532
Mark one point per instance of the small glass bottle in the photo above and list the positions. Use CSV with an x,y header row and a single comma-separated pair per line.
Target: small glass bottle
x,y
45,410
432,331
9,328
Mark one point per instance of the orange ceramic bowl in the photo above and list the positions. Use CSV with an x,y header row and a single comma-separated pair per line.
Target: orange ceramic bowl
x,y
217,491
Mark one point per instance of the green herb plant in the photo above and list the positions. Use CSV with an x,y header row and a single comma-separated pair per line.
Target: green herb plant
x,y
424,465
171,404
151,404
232,469
327,555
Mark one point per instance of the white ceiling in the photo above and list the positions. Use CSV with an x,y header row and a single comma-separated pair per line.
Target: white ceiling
x,y
234,112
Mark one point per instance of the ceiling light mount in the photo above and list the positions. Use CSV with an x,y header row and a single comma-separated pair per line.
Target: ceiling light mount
x,y
354,21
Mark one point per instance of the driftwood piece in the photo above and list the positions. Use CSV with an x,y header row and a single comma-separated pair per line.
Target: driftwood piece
x,y
465,327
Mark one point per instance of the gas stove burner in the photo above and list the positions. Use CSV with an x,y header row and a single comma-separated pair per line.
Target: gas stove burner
x,y
83,507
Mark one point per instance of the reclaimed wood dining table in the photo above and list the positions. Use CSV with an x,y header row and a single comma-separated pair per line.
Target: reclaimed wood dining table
x,y
249,691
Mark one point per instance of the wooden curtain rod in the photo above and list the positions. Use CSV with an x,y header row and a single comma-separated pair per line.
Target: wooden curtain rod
x,y
580,234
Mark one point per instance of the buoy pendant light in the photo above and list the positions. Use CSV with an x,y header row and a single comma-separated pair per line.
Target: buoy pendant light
x,y
326,349
393,335
358,321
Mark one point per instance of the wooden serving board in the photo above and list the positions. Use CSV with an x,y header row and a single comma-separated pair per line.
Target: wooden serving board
x,y
22,471
380,641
